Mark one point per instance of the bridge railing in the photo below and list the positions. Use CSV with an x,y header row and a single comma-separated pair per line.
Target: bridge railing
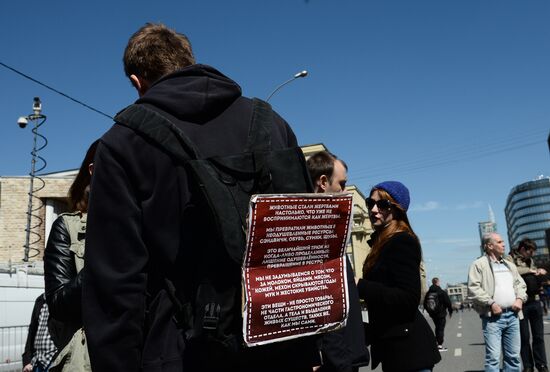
x,y
12,345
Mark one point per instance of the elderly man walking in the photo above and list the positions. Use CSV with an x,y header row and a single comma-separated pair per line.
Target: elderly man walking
x,y
498,293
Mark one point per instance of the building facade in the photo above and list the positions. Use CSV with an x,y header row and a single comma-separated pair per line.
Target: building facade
x,y
528,214
49,201
458,293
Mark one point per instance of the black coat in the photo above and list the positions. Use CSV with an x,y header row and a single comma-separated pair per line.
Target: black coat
x,y
142,224
346,348
33,328
401,338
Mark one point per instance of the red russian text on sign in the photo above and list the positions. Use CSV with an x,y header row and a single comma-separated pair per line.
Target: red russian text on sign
x,y
294,271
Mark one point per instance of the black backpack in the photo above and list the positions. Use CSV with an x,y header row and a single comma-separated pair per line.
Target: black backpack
x,y
431,303
209,310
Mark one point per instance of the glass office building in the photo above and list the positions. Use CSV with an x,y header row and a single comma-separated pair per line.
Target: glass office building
x,y
528,214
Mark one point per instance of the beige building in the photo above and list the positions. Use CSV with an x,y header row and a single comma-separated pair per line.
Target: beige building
x,y
51,201
458,293
358,248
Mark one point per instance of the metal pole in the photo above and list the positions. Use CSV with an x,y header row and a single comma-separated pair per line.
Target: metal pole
x,y
31,186
37,120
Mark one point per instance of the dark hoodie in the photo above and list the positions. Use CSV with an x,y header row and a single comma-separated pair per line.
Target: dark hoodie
x,y
142,225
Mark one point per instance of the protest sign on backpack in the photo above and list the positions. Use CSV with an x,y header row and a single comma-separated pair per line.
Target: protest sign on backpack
x,y
294,273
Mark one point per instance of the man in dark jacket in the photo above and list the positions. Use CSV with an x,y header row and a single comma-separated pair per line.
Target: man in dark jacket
x,y
343,350
39,348
534,356
143,223
439,314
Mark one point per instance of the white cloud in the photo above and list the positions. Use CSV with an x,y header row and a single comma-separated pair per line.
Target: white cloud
x,y
471,205
425,207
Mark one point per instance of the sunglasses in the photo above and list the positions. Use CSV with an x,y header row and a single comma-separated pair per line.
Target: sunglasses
x,y
382,204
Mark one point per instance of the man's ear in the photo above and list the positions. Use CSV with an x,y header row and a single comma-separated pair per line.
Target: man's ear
x,y
140,84
322,183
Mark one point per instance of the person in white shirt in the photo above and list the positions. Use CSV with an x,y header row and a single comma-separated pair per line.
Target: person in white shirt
x,y
498,293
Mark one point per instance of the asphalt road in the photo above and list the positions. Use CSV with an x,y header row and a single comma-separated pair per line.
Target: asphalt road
x,y
464,340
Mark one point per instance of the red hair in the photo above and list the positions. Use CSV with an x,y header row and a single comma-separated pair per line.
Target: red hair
x,y
399,223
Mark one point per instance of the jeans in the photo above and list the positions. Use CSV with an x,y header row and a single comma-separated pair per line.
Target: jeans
x,y
38,368
532,312
502,330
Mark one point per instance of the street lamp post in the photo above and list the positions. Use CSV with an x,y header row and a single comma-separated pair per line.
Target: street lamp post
x,y
300,74
37,119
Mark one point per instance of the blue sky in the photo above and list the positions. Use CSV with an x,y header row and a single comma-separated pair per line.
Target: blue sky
x,y
449,97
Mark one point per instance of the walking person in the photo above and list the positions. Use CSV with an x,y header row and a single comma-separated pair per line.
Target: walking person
x,y
498,293
402,339
63,264
535,355
39,348
437,303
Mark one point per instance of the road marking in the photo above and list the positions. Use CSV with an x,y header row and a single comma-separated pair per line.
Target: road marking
x,y
459,327
458,352
459,335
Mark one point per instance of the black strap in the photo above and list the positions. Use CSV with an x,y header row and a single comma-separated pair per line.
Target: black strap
x,y
259,133
158,128
161,130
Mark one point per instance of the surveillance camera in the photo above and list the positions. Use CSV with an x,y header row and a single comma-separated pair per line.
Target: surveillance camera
x,y
22,122
37,106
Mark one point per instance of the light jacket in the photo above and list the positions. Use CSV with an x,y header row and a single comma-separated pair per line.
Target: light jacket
x,y
481,284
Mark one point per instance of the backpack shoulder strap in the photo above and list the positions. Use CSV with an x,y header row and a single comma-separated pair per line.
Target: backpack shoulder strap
x,y
259,133
160,129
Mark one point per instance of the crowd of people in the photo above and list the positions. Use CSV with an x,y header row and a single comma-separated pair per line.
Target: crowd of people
x,y
153,254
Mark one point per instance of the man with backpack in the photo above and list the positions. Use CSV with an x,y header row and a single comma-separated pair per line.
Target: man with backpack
x,y
167,215
437,303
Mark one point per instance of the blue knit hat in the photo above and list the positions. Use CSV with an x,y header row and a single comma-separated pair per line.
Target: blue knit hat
x,y
397,191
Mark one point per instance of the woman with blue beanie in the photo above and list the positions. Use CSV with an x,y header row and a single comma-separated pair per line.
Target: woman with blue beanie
x,y
401,339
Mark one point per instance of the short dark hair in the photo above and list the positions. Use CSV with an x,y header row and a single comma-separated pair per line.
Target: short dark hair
x,y
80,188
527,244
156,50
322,163
435,280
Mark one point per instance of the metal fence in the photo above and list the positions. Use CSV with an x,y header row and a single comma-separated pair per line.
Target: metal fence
x,y
12,345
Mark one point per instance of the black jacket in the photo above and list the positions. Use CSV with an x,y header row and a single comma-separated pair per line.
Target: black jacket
x,y
402,340
33,328
346,348
444,302
143,226
63,285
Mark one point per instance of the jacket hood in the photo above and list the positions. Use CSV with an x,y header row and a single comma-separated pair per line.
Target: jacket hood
x,y
197,93
434,288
